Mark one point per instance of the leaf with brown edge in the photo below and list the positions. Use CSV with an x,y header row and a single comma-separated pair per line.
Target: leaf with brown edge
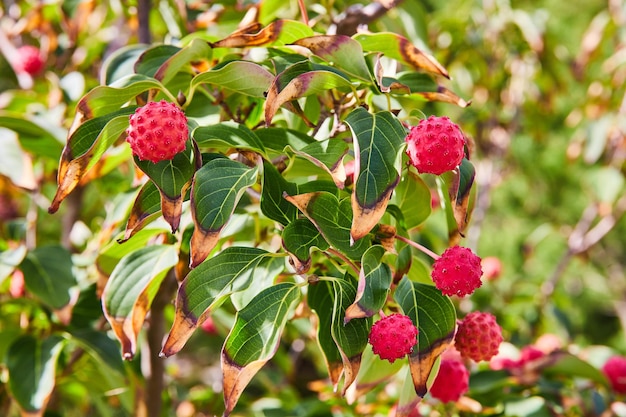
x,y
342,343
299,238
398,47
131,288
327,154
459,198
216,190
206,287
279,32
84,148
340,51
374,283
445,96
435,317
378,143
255,336
146,207
300,80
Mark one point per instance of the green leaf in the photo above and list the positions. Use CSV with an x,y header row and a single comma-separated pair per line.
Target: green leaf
x,y
374,283
216,190
435,317
121,63
48,274
342,343
301,80
277,139
206,286
279,32
85,147
378,144
564,364
299,238
328,155
527,407
112,253
34,136
398,47
340,51
243,77
172,177
15,164
332,218
273,205
255,336
224,136
196,50
101,347
459,201
31,363
131,288
153,58
146,208
413,198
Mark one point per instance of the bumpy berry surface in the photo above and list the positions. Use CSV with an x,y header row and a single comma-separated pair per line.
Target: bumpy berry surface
x,y
457,272
29,60
615,371
393,337
451,382
435,145
157,131
478,336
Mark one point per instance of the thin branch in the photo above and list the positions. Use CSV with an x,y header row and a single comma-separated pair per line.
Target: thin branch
x,y
418,247
343,257
143,16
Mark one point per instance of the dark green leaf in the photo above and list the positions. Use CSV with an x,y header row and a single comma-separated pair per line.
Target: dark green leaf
x,y
153,58
31,363
374,282
225,136
273,205
48,274
146,207
328,155
299,238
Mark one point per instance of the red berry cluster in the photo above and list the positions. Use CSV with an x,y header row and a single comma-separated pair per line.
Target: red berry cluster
x,y
157,132
451,382
435,145
393,337
478,336
457,272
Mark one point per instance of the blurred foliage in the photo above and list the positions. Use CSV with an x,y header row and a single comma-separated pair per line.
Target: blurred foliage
x,y
546,80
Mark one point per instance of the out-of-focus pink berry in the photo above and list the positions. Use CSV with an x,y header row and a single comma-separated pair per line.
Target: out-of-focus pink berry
x,y
478,336
492,268
17,284
29,60
451,382
615,371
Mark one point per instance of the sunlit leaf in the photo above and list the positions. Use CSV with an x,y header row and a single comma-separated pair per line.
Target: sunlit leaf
x,y
15,164
194,51
435,317
10,259
216,190
34,135
279,32
225,136
131,288
31,363
206,286
398,47
413,198
340,51
373,287
255,336
84,148
378,143
239,76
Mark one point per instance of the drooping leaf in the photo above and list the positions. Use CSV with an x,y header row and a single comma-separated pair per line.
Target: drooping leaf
x,y
378,143
340,51
153,58
279,32
424,86
34,135
255,336
398,47
10,259
215,192
328,155
332,218
301,80
121,63
129,292
277,139
299,238
31,363
112,253
374,283
146,207
101,347
172,178
435,317
84,148
342,343
243,77
412,196
206,286
48,274
459,199
225,136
